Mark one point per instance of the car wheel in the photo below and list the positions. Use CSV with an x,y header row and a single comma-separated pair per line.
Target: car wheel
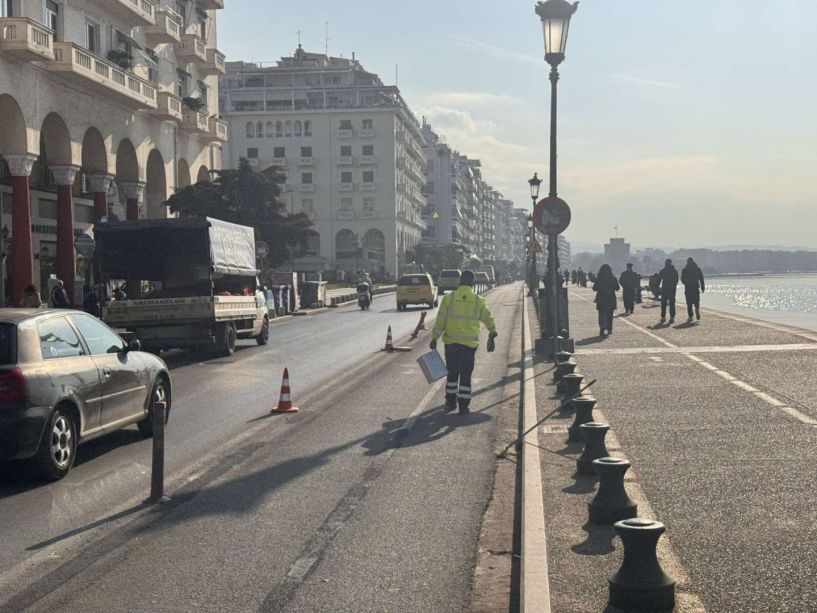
x,y
263,336
159,393
58,447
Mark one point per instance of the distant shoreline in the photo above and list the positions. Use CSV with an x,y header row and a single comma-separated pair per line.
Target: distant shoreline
x,y
733,275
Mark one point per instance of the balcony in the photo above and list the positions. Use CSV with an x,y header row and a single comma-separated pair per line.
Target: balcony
x,y
217,131
281,161
26,39
346,160
346,187
211,5
89,71
134,12
346,214
191,49
367,133
306,188
367,187
369,214
195,121
169,106
367,160
167,29
306,161
346,133
214,64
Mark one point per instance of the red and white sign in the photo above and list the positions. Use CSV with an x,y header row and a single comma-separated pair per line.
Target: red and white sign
x,y
551,216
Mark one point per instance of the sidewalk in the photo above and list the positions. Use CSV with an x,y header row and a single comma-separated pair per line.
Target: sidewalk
x,y
718,422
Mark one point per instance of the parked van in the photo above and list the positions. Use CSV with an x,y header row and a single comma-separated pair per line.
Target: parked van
x,y
448,280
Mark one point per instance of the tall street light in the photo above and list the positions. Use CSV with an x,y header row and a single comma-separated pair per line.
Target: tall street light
x,y
555,16
534,183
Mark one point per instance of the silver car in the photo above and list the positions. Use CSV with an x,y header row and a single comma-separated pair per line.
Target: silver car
x,y
67,378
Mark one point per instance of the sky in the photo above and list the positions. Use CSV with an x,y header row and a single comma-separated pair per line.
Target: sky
x,y
686,123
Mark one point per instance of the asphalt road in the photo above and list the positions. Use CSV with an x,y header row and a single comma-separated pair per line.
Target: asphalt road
x,y
259,501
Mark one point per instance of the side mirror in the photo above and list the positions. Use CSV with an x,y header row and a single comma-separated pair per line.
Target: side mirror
x,y
134,345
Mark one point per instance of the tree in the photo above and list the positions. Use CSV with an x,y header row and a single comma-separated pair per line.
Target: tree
x,y
248,198
434,258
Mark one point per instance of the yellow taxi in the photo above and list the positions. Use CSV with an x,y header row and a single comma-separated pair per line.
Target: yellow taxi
x,y
416,288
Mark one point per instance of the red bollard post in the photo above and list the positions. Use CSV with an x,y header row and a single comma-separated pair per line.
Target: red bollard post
x,y
157,472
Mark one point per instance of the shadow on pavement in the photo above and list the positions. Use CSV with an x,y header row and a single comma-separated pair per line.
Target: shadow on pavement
x,y
599,541
582,484
687,324
591,340
430,426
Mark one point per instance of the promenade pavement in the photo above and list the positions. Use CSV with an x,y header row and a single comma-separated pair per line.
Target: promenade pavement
x,y
719,422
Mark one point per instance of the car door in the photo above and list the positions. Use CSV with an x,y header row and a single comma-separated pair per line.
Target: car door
x,y
70,371
123,373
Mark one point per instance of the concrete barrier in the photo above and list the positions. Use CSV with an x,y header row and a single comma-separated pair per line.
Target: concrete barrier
x,y
344,299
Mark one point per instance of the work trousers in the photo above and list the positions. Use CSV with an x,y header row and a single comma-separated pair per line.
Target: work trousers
x,y
628,295
667,299
693,300
459,360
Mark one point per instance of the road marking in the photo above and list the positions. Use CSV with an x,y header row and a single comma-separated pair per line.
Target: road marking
x,y
702,349
534,592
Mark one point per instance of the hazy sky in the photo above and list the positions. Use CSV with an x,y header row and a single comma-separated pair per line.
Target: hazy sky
x,y
684,122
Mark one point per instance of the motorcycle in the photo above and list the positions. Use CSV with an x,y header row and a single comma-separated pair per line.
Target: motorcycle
x,y
364,296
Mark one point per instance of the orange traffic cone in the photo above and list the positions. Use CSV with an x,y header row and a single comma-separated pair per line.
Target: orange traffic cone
x,y
285,403
389,348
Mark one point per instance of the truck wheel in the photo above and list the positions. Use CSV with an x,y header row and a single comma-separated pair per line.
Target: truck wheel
x,y
263,336
226,345
58,447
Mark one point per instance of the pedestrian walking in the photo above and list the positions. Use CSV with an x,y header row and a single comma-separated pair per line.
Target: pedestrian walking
x,y
31,298
458,320
59,297
605,287
693,279
668,280
629,281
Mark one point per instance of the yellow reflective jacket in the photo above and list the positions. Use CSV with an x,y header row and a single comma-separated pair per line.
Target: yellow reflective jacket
x,y
459,316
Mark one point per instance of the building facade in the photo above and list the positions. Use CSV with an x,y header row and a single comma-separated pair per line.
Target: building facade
x,y
350,148
107,107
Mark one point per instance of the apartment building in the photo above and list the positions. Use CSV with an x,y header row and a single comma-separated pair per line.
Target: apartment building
x,y
107,107
350,148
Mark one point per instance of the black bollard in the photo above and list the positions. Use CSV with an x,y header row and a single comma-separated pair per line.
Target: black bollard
x,y
594,448
157,471
571,384
583,405
563,356
641,584
563,368
611,503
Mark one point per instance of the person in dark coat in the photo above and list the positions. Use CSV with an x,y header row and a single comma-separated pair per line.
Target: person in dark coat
x,y
605,287
59,297
629,281
668,279
693,279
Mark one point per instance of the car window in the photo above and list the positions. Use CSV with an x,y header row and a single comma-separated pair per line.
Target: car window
x,y
419,280
99,337
7,343
58,339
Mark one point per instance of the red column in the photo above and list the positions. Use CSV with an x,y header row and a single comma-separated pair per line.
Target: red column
x,y
100,183
22,253
66,261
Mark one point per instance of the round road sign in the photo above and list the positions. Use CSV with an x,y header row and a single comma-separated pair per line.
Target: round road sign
x,y
84,245
551,216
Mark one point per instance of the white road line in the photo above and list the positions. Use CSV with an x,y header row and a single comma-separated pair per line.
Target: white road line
x,y
535,588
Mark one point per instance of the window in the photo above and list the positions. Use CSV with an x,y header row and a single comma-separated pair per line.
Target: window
x,y
250,129
279,129
279,152
346,204
298,128
346,177
181,9
52,15
368,150
58,339
306,152
307,128
259,129
202,26
47,209
368,124
346,150
99,338
6,8
288,128
368,176
368,205
270,130
252,153
306,178
92,42
345,124
84,214
181,83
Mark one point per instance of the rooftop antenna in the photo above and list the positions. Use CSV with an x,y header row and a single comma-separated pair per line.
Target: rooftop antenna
x,y
327,38
299,39
396,75
616,229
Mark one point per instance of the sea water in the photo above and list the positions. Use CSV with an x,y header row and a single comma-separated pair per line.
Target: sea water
x,y
788,299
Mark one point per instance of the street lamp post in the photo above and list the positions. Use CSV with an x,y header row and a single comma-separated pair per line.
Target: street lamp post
x,y
5,236
531,258
555,16
534,183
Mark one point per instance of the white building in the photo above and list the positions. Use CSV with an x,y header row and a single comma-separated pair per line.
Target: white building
x,y
93,122
349,145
